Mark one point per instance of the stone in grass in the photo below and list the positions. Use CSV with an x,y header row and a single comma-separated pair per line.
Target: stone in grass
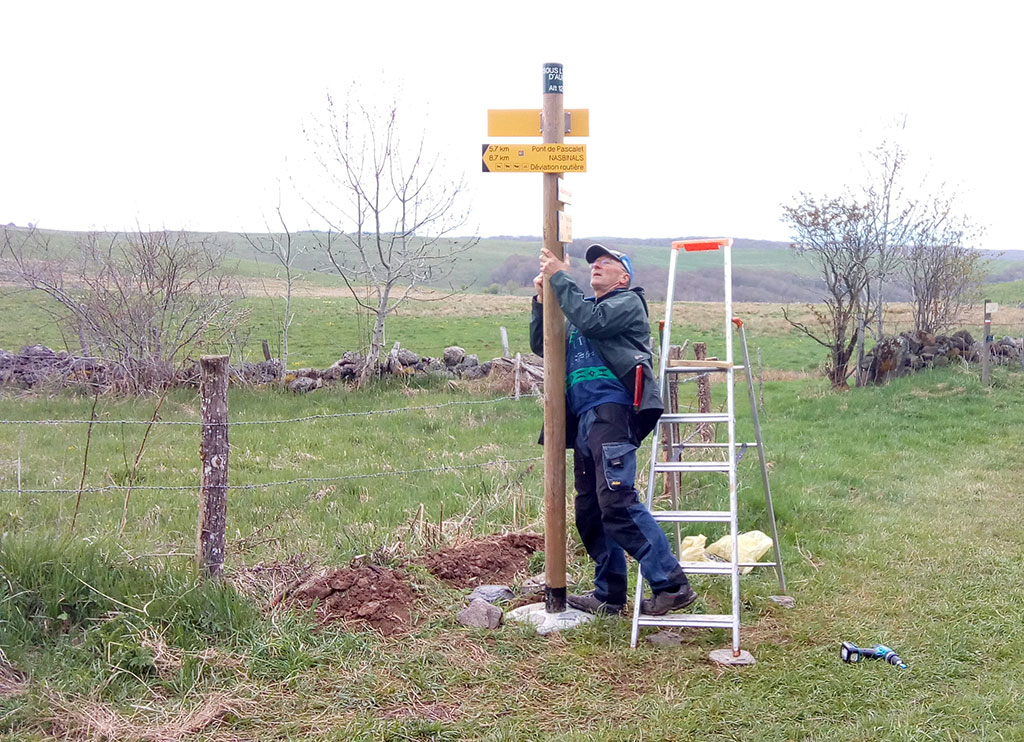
x,y
725,657
453,356
666,638
480,614
491,593
533,584
545,622
303,384
786,601
537,583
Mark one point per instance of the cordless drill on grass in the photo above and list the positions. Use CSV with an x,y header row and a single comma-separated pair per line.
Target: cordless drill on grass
x,y
852,653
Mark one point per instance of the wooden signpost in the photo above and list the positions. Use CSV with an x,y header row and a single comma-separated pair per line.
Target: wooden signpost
x,y
552,158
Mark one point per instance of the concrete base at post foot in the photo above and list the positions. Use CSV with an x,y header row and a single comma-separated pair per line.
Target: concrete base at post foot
x,y
545,622
725,657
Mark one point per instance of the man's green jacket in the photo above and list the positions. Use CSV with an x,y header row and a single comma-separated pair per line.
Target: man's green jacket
x,y
618,327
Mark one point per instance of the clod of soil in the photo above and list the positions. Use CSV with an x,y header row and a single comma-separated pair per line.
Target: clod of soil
x,y
370,595
489,560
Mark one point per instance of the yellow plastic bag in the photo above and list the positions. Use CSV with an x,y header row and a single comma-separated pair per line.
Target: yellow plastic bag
x,y
693,549
752,546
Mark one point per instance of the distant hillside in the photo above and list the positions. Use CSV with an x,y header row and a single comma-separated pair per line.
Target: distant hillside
x,y
763,270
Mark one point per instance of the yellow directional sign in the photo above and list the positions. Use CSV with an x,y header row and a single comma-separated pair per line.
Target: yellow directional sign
x,y
525,122
535,158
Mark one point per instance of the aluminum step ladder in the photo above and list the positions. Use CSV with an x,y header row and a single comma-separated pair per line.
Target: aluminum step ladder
x,y
728,466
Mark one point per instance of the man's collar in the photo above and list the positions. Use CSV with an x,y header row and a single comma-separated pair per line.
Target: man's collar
x,y
613,292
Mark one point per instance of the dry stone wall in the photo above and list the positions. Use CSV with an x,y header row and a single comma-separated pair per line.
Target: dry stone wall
x,y
902,354
37,365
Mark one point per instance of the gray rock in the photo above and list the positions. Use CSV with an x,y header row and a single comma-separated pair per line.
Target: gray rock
x,y
350,358
36,351
304,384
666,638
491,593
965,336
407,357
262,372
454,355
545,622
786,601
533,584
476,372
480,614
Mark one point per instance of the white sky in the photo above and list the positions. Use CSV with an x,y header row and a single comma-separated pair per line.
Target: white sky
x,y
704,117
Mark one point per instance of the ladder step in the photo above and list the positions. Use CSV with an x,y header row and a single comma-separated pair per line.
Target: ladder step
x,y
718,568
695,417
702,444
692,516
711,620
691,466
702,365
700,369
707,568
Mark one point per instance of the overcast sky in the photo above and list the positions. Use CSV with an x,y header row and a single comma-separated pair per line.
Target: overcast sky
x,y
704,117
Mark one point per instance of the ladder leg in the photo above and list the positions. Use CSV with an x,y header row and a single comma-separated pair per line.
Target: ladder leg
x,y
764,465
666,333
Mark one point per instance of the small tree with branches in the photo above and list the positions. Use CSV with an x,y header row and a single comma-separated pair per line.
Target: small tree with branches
x,y
836,235
139,300
391,229
940,267
285,250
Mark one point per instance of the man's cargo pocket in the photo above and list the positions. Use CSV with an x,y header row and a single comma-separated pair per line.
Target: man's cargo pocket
x,y
619,465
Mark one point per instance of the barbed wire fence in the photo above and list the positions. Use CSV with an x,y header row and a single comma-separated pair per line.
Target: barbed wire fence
x,y
213,485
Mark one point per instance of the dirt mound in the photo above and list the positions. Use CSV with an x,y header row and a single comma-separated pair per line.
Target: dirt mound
x,y
370,595
493,559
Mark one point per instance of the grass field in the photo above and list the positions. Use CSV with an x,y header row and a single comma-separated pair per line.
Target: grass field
x,y
896,509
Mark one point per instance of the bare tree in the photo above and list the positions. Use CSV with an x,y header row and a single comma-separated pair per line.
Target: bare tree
x,y
281,247
892,217
836,235
141,300
940,267
391,229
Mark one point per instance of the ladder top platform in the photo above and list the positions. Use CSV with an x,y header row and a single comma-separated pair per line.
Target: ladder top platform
x,y
703,244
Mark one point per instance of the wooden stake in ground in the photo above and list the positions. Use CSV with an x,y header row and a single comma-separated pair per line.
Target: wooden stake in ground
x,y
552,129
986,345
213,452
707,433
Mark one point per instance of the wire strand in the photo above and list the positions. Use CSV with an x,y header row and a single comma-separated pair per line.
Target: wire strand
x,y
307,418
267,485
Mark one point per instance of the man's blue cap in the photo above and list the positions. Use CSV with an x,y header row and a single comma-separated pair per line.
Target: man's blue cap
x,y
595,251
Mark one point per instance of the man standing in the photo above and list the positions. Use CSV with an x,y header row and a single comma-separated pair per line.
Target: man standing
x,y
608,336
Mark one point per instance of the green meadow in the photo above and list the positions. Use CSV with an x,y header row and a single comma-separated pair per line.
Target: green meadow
x,y
896,508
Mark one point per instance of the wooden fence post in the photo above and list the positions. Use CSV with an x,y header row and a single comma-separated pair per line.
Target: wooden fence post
x,y
986,348
516,374
213,453
707,431
505,352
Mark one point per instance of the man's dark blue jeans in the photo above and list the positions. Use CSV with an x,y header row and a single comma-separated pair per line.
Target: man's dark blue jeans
x,y
610,518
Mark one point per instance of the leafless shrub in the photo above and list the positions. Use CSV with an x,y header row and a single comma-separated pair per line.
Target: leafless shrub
x,y
143,301
941,268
